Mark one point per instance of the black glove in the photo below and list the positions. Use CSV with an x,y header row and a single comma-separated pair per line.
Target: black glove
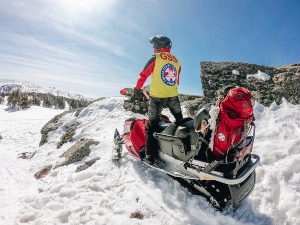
x,y
136,95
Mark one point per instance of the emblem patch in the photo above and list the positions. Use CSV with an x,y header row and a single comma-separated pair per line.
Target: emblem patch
x,y
221,137
169,74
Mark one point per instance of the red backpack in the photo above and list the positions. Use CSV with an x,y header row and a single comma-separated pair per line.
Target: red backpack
x,y
235,117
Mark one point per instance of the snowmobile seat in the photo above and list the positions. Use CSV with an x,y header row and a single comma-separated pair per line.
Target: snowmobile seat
x,y
178,139
187,133
168,129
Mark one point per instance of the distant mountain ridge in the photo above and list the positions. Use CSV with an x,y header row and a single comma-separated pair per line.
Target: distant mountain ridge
x,y
8,86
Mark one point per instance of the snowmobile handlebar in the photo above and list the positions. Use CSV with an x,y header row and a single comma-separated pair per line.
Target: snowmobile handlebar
x,y
233,181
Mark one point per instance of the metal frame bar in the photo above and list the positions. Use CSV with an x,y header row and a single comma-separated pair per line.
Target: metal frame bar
x,y
208,176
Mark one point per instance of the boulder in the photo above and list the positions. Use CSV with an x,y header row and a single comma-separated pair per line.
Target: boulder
x,y
87,164
68,136
77,151
54,123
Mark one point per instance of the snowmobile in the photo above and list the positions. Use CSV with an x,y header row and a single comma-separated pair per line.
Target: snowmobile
x,y
184,154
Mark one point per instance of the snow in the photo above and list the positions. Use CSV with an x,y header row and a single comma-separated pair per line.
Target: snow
x,y
259,75
107,192
8,86
235,72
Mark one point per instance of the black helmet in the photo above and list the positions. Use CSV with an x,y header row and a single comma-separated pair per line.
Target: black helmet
x,y
159,42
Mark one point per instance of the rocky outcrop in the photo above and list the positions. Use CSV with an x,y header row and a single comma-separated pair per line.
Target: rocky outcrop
x,y
87,164
218,76
54,123
78,111
267,84
77,151
193,106
68,136
287,83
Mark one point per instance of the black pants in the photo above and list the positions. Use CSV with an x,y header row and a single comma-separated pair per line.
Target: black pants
x,y
155,107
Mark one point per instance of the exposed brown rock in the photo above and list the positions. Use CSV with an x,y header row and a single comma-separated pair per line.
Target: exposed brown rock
x,y
42,173
23,155
137,215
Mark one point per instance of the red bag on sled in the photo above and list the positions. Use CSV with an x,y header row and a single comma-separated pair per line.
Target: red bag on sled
x,y
236,114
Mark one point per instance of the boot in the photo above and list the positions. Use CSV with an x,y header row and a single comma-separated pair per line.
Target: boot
x,y
149,159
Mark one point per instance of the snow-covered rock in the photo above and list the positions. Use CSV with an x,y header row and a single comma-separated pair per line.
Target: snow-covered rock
x,y
8,86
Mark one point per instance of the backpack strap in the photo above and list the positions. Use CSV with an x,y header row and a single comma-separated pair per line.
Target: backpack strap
x,y
246,127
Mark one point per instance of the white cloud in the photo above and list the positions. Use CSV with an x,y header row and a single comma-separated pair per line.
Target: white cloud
x,y
63,15
68,42
74,9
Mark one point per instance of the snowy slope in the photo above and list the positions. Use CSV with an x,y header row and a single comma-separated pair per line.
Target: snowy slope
x,y
8,86
107,193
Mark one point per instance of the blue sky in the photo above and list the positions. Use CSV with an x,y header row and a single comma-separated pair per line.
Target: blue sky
x,y
96,48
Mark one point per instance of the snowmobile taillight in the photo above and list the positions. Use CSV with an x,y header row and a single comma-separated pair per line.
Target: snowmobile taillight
x,y
123,92
246,152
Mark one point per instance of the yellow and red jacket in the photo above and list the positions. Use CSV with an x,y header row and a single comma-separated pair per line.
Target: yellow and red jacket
x,y
164,69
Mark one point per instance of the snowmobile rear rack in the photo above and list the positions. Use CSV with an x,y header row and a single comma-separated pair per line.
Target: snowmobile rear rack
x,y
233,181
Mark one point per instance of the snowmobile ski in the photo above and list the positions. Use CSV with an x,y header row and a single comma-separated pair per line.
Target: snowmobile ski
x,y
117,149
